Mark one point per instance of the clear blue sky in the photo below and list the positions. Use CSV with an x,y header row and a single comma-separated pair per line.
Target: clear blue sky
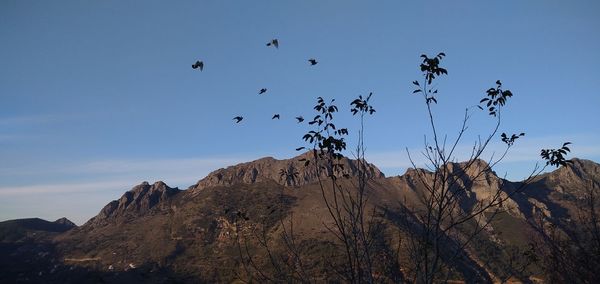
x,y
97,96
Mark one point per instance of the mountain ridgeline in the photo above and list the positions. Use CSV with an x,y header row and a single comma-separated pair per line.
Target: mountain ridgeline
x,y
161,234
271,169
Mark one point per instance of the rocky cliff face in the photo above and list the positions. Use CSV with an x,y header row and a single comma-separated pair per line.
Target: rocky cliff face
x,y
296,173
474,182
573,178
138,201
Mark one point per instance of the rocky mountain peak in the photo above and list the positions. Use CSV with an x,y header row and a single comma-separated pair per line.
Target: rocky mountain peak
x,y
65,222
287,172
573,178
137,201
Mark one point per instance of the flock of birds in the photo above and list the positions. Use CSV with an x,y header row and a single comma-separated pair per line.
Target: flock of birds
x,y
199,64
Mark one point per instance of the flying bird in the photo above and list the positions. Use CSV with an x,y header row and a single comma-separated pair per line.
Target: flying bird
x,y
238,119
198,64
300,119
262,91
275,116
274,42
313,61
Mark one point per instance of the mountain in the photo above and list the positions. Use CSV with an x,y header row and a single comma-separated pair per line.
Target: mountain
x,y
138,201
271,169
155,233
20,230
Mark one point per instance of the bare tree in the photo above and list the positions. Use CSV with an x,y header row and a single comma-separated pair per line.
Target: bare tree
x,y
355,226
448,218
433,234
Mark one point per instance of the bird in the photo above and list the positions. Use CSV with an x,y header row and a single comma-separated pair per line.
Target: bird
x,y
262,91
313,61
275,116
198,64
274,42
300,119
238,119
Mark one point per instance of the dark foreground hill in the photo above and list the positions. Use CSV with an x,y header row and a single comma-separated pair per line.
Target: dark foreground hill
x,y
24,230
155,233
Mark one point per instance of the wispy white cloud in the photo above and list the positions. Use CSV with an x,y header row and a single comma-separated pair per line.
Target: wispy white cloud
x,y
63,188
525,150
151,165
115,175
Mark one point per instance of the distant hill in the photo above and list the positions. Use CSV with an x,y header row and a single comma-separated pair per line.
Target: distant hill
x,y
22,229
155,232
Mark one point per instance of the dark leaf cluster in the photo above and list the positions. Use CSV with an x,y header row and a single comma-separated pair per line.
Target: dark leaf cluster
x,y
496,97
431,67
510,140
556,157
362,105
327,139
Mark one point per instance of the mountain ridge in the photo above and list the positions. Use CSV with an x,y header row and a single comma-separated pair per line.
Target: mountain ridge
x,y
143,197
190,235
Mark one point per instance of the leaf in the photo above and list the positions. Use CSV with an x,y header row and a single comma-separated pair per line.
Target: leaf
x,y
416,91
416,83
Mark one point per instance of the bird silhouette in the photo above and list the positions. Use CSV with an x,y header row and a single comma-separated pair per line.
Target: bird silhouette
x,y
262,91
313,61
300,119
198,64
275,116
238,119
274,42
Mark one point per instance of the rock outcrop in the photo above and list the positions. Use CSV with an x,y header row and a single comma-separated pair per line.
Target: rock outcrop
x,y
288,172
138,201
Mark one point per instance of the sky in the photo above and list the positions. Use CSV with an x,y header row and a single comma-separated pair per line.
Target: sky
x,y
98,96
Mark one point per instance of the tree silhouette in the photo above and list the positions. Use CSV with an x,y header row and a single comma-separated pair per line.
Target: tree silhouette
x,y
437,233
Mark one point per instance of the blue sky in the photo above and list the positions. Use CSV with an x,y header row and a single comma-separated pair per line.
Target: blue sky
x,y
97,96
